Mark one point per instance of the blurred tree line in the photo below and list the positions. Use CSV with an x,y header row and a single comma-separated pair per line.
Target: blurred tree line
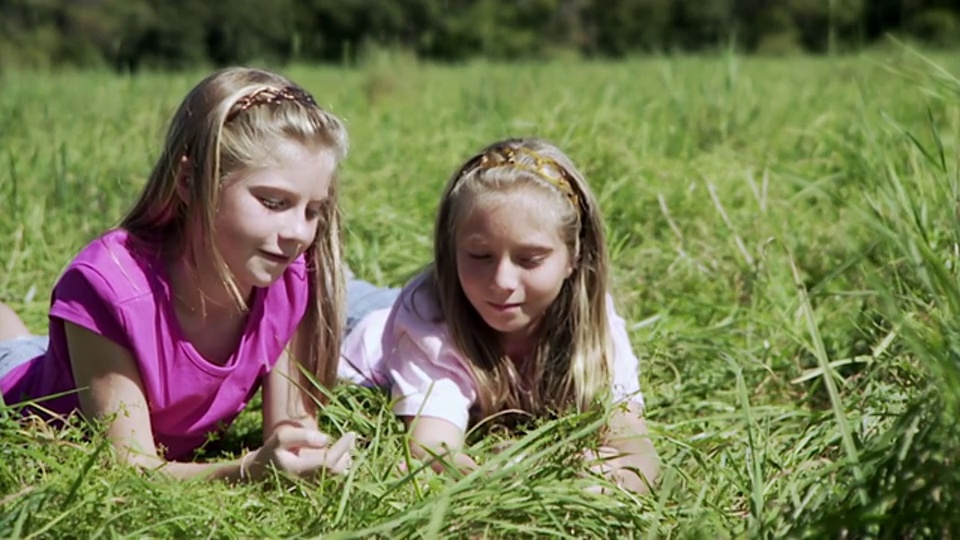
x,y
169,34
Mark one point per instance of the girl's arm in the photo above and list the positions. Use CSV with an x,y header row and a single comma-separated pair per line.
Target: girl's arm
x,y
636,464
283,399
627,438
111,390
284,406
437,437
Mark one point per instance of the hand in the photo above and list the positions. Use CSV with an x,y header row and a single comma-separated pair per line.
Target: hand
x,y
504,446
299,451
341,466
599,464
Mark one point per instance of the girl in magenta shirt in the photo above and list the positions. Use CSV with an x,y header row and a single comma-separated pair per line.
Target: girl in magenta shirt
x,y
514,315
223,278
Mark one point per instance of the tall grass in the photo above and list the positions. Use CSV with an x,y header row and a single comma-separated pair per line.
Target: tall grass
x,y
785,243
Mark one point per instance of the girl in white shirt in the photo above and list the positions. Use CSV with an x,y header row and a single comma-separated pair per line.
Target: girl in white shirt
x,y
514,314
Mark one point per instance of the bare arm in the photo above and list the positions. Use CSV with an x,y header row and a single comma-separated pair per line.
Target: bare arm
x,y
435,436
284,407
112,391
636,463
283,402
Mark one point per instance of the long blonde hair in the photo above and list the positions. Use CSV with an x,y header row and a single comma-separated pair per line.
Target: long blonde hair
x,y
573,355
228,122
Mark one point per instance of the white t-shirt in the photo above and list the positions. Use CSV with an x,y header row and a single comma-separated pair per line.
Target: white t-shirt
x,y
406,349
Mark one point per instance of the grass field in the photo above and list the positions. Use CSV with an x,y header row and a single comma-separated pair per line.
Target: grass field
x,y
785,241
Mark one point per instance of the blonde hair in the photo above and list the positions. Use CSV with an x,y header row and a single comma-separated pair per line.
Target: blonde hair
x,y
230,121
573,355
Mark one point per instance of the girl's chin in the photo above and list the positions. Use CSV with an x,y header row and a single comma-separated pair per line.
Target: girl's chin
x,y
259,279
509,327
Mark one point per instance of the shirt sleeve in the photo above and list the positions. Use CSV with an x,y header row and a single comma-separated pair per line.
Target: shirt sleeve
x,y
626,376
429,379
361,355
83,297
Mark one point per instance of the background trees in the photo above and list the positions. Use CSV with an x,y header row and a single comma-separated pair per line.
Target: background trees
x,y
130,34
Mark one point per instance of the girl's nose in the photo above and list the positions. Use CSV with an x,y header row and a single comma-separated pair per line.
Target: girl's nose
x,y
505,275
300,230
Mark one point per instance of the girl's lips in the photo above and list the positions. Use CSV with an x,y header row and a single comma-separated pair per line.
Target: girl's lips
x,y
504,307
280,259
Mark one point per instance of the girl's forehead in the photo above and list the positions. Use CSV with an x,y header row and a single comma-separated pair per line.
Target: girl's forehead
x,y
521,198
524,195
282,151
518,216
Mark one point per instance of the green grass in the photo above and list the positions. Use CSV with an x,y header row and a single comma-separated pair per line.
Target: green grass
x,y
785,245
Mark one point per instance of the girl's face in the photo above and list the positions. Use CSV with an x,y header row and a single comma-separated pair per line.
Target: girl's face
x,y
512,261
267,217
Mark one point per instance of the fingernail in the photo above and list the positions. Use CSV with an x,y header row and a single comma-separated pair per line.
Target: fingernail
x,y
316,438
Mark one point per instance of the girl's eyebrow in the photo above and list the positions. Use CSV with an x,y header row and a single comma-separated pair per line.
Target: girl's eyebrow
x,y
477,240
536,248
282,189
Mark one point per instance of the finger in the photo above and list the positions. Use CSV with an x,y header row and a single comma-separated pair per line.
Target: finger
x,y
608,452
595,489
307,461
343,464
340,448
311,460
600,470
294,437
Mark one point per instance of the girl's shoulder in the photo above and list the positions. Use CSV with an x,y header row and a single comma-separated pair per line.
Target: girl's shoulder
x,y
417,342
122,263
611,308
116,246
416,320
417,307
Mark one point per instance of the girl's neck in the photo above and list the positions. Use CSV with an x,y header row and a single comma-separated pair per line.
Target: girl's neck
x,y
520,346
201,290
518,351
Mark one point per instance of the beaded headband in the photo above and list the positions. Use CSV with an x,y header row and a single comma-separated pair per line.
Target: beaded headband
x,y
543,167
270,95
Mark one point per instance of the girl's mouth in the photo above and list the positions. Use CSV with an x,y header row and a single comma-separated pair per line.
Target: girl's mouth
x,y
279,259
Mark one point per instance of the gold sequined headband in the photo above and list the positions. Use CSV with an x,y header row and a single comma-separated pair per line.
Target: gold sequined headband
x,y
270,95
543,167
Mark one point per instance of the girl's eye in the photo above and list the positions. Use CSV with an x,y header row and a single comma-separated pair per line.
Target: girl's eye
x,y
478,256
272,204
313,213
531,262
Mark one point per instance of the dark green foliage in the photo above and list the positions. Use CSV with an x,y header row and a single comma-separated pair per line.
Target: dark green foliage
x,y
134,34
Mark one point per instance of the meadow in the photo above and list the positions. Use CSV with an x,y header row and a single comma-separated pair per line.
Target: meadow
x,y
785,244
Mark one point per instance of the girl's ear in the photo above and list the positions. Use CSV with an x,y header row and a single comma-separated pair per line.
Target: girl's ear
x,y
572,263
571,266
184,173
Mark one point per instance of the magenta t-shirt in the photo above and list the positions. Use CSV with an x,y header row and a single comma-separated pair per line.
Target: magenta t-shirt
x,y
121,290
